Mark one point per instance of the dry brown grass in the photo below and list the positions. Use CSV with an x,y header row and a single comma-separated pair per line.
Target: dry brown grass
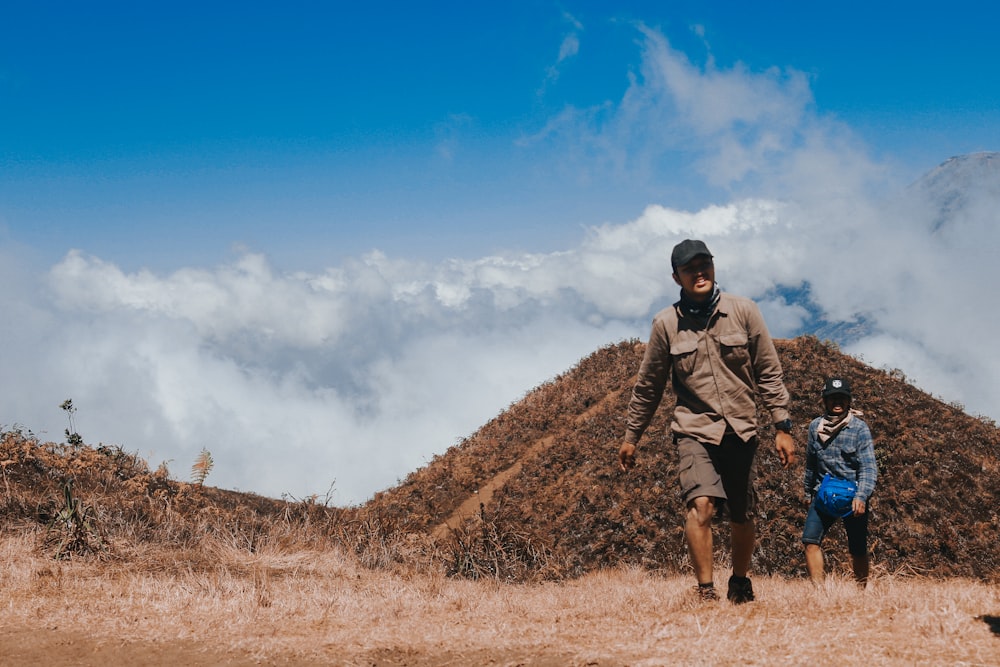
x,y
324,607
549,464
563,561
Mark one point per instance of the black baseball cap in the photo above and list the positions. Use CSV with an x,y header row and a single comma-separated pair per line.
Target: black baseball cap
x,y
687,250
836,385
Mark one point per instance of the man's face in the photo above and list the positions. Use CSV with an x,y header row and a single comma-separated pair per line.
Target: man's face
x,y
837,404
697,277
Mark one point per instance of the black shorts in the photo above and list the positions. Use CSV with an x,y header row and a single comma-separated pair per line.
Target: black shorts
x,y
725,472
818,525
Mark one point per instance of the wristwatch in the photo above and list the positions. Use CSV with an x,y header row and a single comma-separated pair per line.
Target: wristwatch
x,y
784,425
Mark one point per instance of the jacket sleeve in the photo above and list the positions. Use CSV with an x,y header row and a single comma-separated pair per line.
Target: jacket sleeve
x,y
868,465
654,372
767,367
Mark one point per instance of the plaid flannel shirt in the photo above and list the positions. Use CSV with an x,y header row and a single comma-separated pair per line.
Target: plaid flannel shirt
x,y
848,455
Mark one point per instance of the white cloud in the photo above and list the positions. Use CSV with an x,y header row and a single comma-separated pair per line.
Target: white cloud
x,y
568,49
356,375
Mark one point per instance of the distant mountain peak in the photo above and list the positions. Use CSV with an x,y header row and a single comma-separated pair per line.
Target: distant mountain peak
x,y
952,186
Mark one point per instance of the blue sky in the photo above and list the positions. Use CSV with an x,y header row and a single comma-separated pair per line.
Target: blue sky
x,y
313,131
328,241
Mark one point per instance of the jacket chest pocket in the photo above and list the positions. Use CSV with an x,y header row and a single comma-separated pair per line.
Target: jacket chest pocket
x,y
684,355
735,349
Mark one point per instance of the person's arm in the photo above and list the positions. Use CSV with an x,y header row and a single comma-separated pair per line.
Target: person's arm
x,y
770,383
867,464
767,367
654,372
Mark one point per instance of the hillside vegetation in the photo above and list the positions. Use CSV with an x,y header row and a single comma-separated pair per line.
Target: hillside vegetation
x,y
536,490
105,561
535,493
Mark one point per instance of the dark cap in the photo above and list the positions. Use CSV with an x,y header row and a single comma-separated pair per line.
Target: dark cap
x,y
837,385
687,250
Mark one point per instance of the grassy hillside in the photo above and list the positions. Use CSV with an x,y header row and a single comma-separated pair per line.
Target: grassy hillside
x,y
104,561
536,494
542,476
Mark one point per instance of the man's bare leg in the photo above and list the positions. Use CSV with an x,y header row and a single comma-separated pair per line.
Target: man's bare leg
x,y
814,563
698,531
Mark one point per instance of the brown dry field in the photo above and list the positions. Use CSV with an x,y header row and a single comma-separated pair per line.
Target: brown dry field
x,y
521,545
323,608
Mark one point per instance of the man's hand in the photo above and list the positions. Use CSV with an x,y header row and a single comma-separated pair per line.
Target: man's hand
x,y
626,456
786,448
858,506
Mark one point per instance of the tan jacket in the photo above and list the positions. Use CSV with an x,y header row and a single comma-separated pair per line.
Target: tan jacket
x,y
715,372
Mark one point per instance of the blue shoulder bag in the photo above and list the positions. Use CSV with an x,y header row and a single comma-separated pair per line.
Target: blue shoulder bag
x,y
835,496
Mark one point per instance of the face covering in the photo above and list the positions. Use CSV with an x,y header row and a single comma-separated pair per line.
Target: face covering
x,y
701,309
832,425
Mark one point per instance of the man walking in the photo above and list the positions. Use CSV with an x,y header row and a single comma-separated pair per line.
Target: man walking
x,y
715,349
839,447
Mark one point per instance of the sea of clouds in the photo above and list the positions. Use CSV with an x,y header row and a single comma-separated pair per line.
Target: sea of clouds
x,y
354,376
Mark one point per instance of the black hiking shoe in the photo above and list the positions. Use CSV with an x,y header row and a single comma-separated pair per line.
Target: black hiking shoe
x,y
706,593
740,590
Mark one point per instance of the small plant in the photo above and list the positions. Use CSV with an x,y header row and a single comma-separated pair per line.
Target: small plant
x,y
76,531
202,466
72,437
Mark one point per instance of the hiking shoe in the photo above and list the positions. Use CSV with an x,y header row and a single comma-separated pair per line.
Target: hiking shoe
x,y
706,593
740,590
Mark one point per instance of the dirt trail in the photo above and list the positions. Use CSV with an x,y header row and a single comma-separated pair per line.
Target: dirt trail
x,y
56,647
53,647
484,494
